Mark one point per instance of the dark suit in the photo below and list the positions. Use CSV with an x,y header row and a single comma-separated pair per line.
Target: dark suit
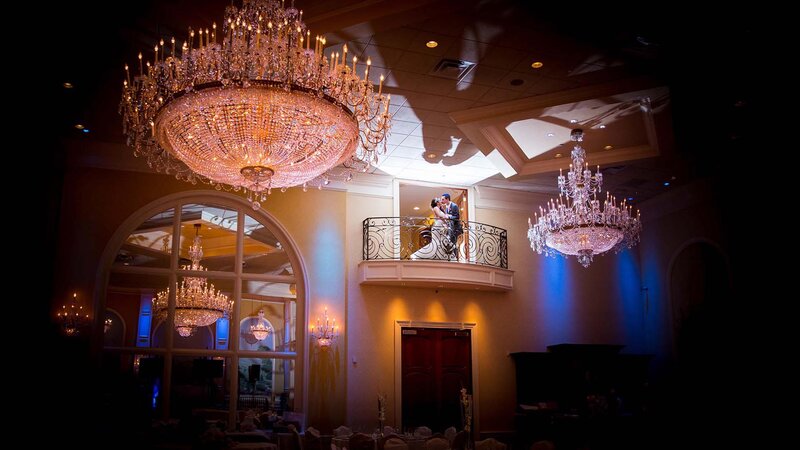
x,y
456,229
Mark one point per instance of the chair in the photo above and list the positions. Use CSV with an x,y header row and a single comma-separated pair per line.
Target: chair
x,y
437,443
460,441
313,440
361,441
489,444
393,443
543,445
423,432
450,434
342,431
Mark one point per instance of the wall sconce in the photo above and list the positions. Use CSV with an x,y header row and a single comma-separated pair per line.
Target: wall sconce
x,y
107,325
325,331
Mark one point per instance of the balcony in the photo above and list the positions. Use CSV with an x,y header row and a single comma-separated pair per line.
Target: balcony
x,y
412,251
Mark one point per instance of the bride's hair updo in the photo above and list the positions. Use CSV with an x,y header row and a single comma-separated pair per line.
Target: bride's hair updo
x,y
434,202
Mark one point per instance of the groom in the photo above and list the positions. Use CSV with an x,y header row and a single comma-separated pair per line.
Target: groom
x,y
452,212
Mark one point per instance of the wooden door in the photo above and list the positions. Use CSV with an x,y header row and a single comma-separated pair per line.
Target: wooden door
x,y
436,364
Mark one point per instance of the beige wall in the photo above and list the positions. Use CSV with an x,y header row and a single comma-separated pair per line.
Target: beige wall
x,y
554,300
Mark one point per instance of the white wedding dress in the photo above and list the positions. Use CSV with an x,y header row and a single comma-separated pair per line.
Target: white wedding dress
x,y
437,248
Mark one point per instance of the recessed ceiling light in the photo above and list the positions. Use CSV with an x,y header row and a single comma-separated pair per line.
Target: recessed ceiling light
x,y
431,44
431,155
559,155
673,177
85,130
416,208
550,134
517,82
78,126
608,147
573,120
68,85
602,126
666,183
630,199
537,64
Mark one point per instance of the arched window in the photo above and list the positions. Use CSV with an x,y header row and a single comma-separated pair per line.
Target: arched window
x,y
181,370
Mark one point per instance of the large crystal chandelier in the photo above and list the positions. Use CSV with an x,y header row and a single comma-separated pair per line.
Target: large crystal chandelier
x,y
197,302
575,223
257,107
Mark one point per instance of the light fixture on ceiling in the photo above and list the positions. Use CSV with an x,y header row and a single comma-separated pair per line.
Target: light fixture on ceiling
x,y
72,317
79,126
255,108
575,223
537,64
197,302
68,85
431,44
261,328
325,331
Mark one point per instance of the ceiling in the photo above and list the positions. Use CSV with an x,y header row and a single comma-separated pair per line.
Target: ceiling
x,y
501,124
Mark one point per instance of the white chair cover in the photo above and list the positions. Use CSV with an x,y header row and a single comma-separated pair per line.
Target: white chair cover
x,y
437,443
423,431
489,444
342,431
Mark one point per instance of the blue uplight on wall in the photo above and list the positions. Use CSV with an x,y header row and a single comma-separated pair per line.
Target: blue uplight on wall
x,y
627,291
145,321
556,307
223,329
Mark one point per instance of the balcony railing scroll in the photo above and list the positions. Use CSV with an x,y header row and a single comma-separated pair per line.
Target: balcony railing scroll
x,y
420,238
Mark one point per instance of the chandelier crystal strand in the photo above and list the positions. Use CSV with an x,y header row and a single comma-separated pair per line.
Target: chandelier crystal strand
x,y
257,107
575,223
197,302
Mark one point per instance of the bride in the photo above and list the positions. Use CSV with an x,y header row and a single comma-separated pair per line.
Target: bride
x,y
440,246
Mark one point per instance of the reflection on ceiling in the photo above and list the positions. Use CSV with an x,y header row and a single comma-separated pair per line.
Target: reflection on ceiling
x,y
151,244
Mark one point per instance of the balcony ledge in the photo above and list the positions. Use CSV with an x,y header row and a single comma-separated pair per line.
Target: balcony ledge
x,y
438,274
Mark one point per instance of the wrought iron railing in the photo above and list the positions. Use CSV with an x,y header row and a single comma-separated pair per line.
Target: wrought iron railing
x,y
419,238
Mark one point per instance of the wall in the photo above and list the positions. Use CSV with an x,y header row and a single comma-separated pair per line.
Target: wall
x,y
97,201
554,300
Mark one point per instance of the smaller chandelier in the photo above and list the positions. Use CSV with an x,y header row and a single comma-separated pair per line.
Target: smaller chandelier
x,y
325,331
575,223
260,330
72,317
197,302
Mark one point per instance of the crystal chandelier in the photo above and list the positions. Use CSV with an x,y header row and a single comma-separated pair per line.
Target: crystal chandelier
x,y
324,331
575,223
260,330
197,302
72,317
257,107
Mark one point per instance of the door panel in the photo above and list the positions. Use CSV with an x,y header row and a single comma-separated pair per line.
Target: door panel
x,y
436,365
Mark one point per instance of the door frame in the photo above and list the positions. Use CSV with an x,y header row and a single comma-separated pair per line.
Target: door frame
x,y
398,365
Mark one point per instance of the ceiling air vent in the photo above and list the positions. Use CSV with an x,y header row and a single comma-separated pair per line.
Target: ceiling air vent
x,y
452,69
